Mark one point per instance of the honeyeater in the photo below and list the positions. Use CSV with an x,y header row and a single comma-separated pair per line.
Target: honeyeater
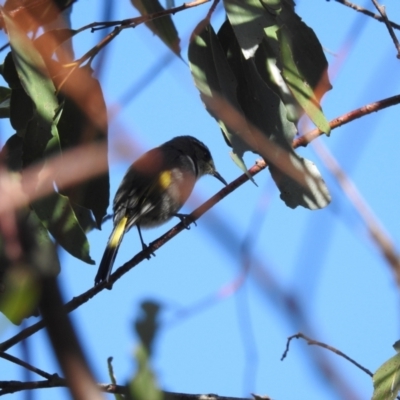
x,y
153,190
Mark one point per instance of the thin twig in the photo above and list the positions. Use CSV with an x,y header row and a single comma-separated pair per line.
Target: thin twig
x,y
18,386
312,342
29,367
308,137
382,11
212,9
132,22
367,12
7,387
119,26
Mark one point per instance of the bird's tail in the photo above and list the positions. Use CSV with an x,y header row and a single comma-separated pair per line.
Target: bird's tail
x,y
110,252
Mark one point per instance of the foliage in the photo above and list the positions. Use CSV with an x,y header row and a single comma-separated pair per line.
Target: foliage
x,y
258,74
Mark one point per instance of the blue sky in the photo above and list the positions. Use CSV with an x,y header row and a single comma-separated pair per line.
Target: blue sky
x,y
324,260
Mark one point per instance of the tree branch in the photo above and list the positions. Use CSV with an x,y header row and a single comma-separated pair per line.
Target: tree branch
x,y
312,342
382,11
124,24
367,12
19,386
29,367
308,137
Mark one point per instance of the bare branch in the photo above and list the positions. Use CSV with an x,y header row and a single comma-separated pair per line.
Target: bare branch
x,y
29,367
308,137
382,11
312,342
124,24
18,386
367,12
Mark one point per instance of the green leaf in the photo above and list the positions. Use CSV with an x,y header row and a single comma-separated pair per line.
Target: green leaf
x,y
5,95
41,140
256,24
163,27
297,83
387,379
229,83
307,52
59,218
144,384
19,275
273,6
33,75
248,19
217,84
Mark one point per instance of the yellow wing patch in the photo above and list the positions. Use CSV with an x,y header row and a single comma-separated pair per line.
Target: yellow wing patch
x,y
165,179
117,233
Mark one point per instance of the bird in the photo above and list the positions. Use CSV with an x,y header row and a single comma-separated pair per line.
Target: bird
x,y
154,189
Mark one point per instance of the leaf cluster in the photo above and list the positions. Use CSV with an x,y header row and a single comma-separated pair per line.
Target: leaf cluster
x,y
258,76
53,110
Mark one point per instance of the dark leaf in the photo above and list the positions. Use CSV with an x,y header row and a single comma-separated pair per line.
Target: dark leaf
x,y
41,140
163,27
252,114
9,72
11,153
58,217
84,121
5,95
34,79
22,109
256,25
217,84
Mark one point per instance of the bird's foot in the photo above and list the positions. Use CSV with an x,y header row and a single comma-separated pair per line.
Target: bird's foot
x,y
186,220
145,247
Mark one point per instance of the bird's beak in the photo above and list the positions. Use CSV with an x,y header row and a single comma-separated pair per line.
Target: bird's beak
x,y
217,175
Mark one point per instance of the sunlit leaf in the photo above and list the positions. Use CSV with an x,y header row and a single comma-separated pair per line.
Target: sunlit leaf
x,y
387,379
256,24
248,19
301,90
